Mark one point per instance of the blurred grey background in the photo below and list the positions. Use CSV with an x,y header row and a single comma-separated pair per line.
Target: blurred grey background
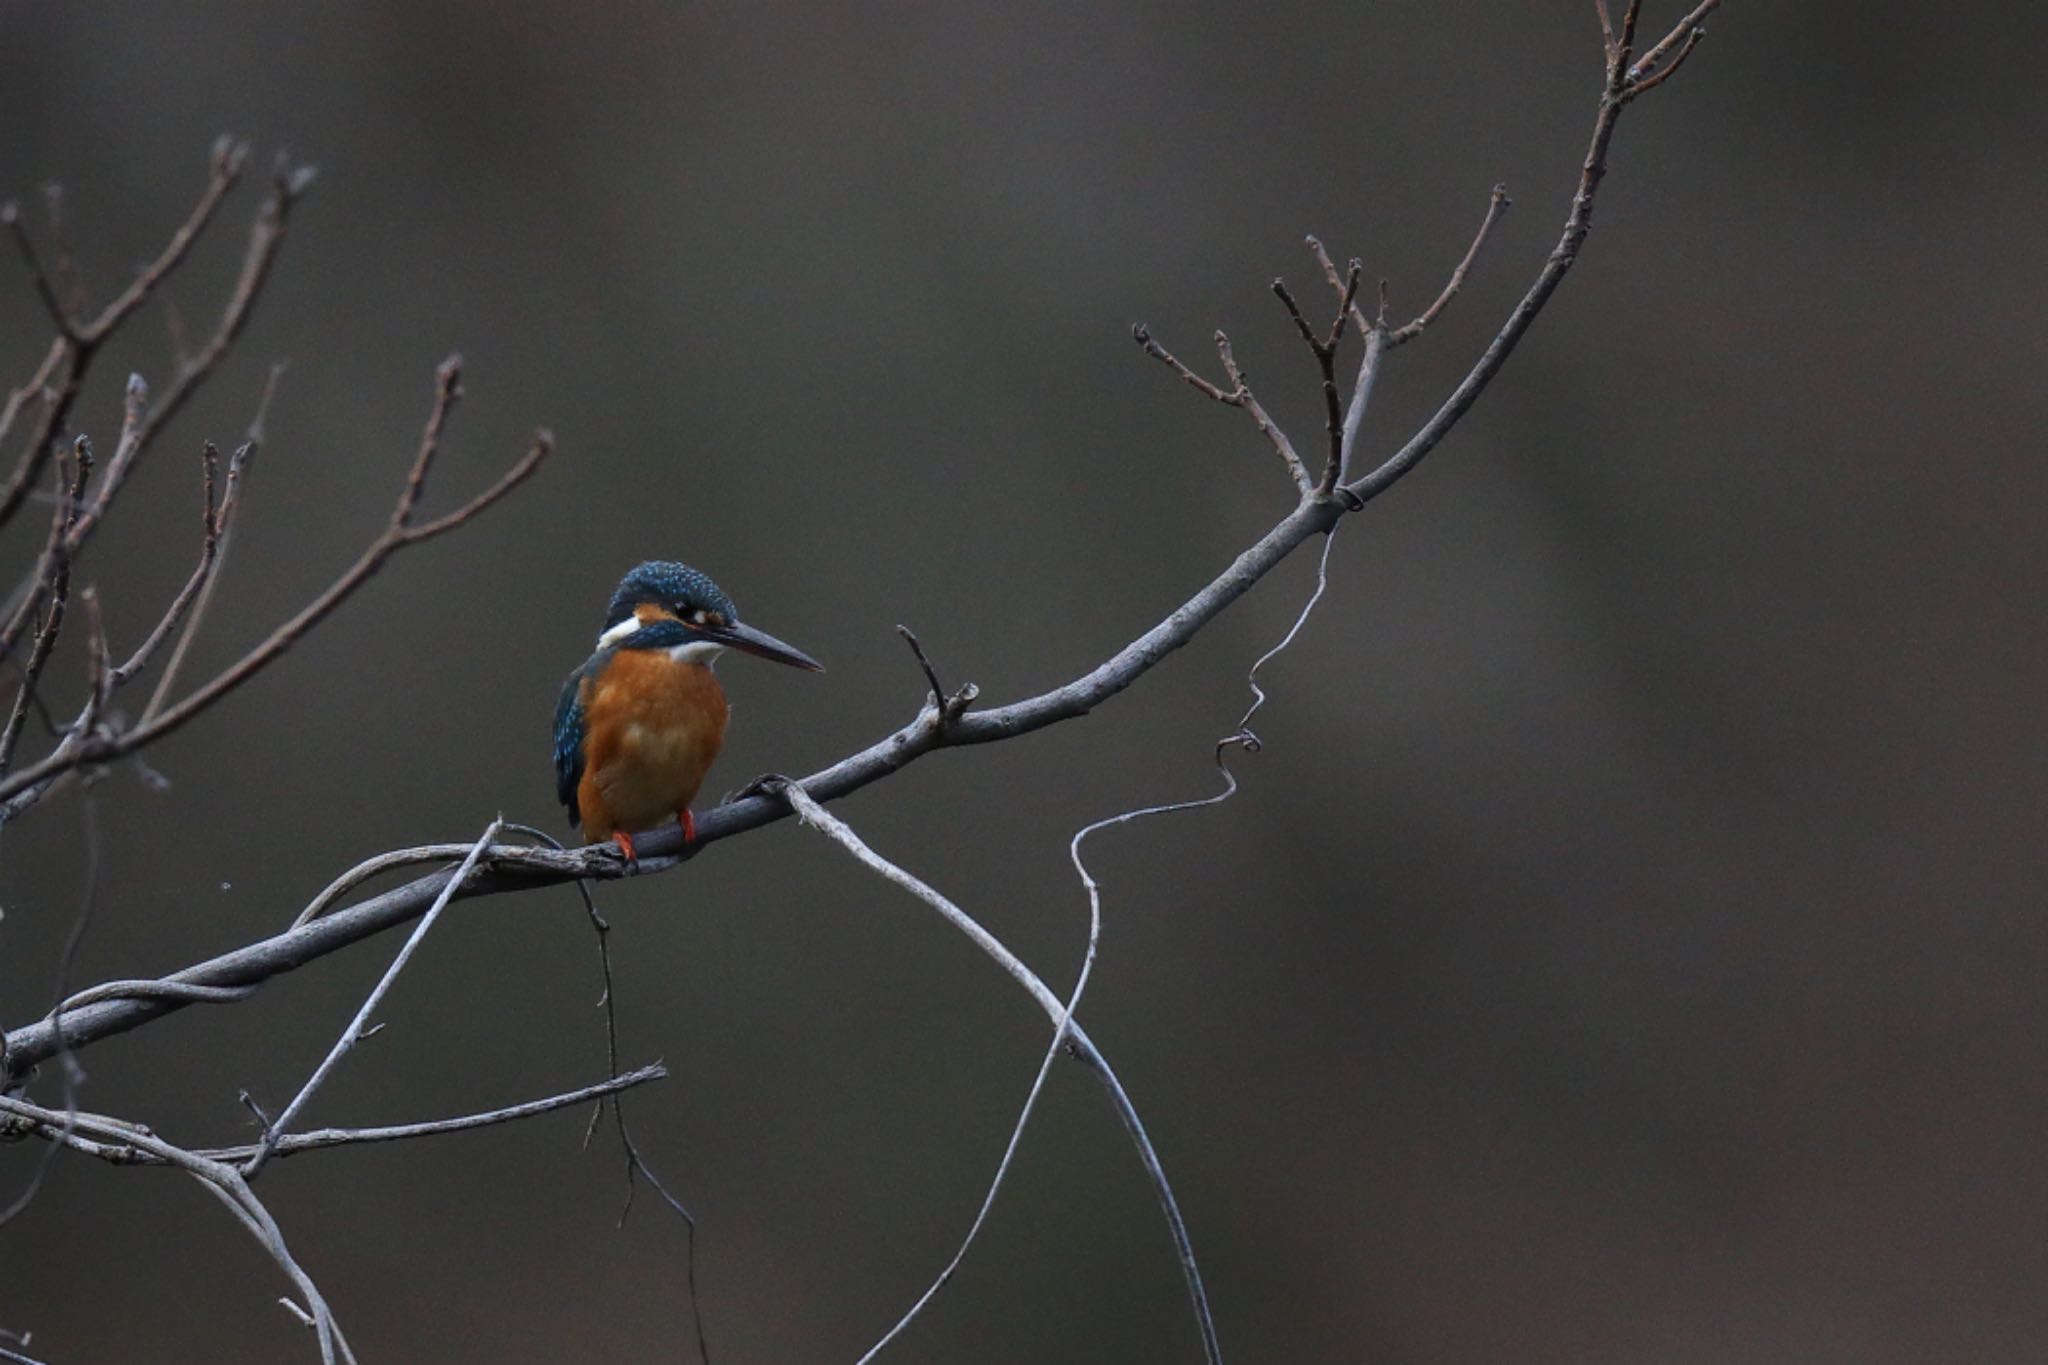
x,y
1629,946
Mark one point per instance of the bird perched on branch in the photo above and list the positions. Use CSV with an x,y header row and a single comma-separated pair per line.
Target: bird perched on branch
x,y
640,723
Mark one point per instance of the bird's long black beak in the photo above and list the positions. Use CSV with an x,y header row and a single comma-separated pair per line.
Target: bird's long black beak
x,y
760,642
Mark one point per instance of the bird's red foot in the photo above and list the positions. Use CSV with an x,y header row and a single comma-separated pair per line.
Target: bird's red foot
x,y
687,822
625,843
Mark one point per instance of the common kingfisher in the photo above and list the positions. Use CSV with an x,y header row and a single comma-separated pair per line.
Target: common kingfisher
x,y
641,722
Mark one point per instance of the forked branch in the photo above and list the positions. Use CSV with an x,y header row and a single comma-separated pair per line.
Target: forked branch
x,y
400,532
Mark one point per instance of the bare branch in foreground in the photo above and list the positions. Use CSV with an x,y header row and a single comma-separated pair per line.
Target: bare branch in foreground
x,y
1083,1047
276,1131
109,1139
319,1138
20,1340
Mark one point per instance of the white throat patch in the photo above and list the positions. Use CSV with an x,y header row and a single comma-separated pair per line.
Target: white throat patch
x,y
697,652
703,652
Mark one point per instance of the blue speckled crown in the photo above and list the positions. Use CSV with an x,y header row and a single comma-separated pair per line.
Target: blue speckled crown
x,y
676,586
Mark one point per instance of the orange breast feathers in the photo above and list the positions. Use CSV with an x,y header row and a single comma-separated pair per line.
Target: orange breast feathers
x,y
653,726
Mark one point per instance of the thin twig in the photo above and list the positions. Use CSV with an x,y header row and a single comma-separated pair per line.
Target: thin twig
x,y
35,388
52,590
213,527
811,813
398,534
60,317
1061,1026
1664,73
266,236
354,1031
1497,204
1578,222
113,1140
1685,32
321,1138
228,157
238,471
1249,401
1239,395
636,1165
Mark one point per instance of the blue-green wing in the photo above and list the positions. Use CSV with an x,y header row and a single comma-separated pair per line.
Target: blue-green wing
x,y
569,742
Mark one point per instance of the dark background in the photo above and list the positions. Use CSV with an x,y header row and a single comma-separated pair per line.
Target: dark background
x,y
1628,947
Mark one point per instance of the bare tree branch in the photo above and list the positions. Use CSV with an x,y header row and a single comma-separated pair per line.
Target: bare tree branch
x,y
1496,204
52,587
1064,1025
213,524
71,354
1578,222
321,1138
112,1140
1684,34
276,1131
397,535
1239,395
230,501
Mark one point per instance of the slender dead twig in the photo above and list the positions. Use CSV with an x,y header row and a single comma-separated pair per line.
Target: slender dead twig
x,y
212,526
230,501
1239,395
811,813
112,1140
51,591
35,388
1683,35
77,342
1061,1025
10,218
1243,737
1496,204
400,533
275,1132
320,1138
